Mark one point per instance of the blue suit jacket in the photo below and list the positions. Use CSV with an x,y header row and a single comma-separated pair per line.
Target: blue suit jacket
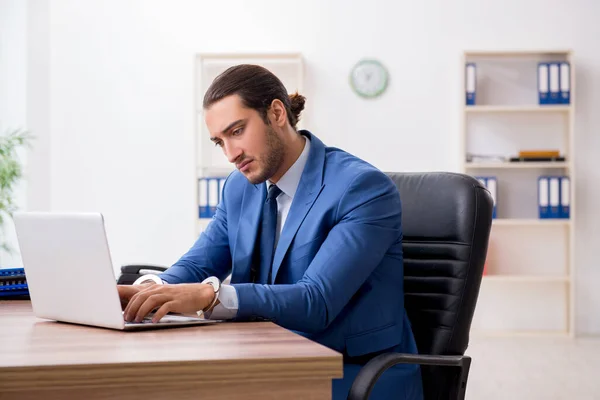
x,y
337,274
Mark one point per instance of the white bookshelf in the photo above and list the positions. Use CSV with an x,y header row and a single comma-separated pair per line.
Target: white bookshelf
x,y
528,286
210,160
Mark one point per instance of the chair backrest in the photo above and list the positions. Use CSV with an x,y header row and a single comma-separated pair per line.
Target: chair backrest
x,y
446,223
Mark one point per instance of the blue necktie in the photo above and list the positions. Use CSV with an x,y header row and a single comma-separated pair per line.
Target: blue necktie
x,y
267,234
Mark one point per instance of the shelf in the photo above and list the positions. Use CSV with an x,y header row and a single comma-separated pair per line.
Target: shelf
x,y
526,278
517,53
516,109
517,165
215,171
531,222
285,57
524,334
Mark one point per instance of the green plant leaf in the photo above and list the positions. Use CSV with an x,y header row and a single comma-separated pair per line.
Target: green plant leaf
x,y
10,173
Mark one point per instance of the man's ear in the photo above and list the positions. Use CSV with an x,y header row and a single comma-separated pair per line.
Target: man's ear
x,y
277,112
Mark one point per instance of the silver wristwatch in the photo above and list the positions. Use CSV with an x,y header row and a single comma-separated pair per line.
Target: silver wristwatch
x,y
216,285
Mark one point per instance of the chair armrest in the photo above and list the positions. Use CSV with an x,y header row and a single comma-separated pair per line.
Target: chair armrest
x,y
369,374
129,273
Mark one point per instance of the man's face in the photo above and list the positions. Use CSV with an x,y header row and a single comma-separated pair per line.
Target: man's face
x,y
253,146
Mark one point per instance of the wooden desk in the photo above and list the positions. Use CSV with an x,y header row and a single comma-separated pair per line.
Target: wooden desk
x,y
48,360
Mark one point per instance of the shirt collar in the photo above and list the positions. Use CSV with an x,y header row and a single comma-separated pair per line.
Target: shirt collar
x,y
291,179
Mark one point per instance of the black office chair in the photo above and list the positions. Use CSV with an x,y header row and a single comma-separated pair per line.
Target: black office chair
x,y
446,219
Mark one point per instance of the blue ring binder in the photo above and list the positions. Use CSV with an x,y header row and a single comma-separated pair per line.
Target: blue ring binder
x,y
13,284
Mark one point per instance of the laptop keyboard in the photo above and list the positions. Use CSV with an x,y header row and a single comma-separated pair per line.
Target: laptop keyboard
x,y
146,320
164,320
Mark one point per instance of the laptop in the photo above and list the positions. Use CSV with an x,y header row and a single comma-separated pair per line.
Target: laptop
x,y
70,274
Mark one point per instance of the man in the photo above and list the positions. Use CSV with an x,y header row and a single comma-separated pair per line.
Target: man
x,y
310,234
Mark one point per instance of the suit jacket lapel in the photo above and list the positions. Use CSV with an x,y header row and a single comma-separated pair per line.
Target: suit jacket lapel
x,y
309,188
247,232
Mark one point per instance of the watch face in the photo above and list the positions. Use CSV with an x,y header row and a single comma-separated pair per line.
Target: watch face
x,y
369,78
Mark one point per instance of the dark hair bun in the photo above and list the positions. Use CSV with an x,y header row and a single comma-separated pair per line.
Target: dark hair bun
x,y
296,105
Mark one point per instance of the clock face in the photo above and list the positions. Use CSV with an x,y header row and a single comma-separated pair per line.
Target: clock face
x,y
369,78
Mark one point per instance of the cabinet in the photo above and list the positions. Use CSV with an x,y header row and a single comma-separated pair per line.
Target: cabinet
x,y
528,284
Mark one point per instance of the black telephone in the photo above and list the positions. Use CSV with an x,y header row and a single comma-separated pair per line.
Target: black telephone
x,y
129,273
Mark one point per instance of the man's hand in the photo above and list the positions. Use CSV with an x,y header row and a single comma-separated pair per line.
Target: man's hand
x,y
126,292
184,298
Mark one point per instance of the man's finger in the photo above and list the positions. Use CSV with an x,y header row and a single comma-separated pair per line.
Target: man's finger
x,y
144,291
151,303
135,303
162,311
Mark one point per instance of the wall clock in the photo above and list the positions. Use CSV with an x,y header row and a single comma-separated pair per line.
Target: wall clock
x,y
369,78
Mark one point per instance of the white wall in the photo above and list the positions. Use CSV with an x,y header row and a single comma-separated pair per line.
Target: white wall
x,y
13,67
121,94
38,104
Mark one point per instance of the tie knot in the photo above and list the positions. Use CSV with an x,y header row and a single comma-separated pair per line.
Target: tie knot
x,y
274,191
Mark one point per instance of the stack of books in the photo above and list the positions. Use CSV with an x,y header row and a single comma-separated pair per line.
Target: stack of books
x,y
538,155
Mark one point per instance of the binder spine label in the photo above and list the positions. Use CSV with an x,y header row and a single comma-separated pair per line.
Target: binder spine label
x,y
565,197
554,196
203,198
470,83
543,83
565,83
543,197
491,183
554,72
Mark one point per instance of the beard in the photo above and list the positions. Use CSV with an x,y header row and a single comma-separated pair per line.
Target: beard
x,y
271,159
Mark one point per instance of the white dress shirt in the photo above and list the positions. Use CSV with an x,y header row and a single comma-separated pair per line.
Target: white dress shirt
x,y
228,299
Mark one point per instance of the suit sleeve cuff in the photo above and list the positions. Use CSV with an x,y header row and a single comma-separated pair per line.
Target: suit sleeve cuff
x,y
228,304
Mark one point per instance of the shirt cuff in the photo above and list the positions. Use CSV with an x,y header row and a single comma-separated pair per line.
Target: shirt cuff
x,y
228,304
149,278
